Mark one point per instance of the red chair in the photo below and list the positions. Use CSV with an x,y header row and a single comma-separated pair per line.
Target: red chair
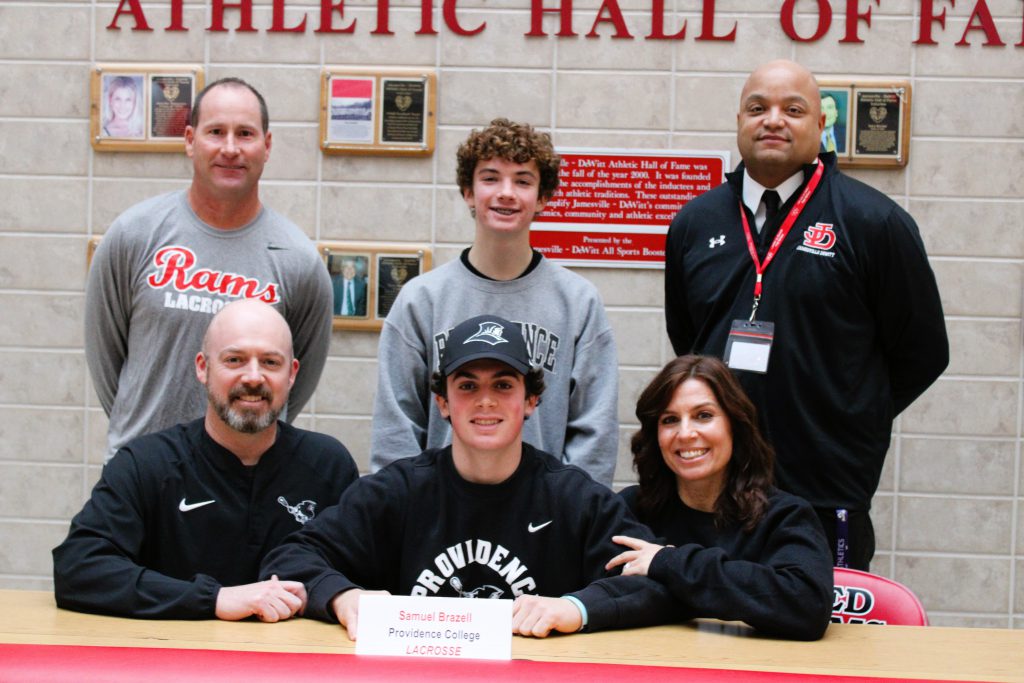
x,y
864,598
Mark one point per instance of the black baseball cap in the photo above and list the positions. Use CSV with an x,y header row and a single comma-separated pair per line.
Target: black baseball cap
x,y
485,336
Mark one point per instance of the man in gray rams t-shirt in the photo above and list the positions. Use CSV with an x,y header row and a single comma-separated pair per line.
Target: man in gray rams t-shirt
x,y
168,264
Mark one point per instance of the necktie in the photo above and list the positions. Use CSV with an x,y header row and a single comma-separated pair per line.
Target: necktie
x,y
771,206
831,144
349,308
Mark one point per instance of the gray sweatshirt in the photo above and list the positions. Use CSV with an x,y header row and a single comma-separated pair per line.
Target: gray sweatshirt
x,y
156,280
566,330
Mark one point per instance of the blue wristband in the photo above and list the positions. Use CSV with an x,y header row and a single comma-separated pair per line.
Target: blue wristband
x,y
580,606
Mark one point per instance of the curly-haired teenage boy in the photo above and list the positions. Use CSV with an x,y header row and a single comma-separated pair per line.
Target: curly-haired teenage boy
x,y
506,174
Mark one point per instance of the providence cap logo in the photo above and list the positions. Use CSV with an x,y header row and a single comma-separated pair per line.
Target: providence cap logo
x,y
485,337
489,333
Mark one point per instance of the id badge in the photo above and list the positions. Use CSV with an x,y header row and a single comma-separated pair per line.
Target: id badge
x,y
749,344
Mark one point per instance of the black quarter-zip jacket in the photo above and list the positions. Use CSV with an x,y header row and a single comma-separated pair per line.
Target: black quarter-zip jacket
x,y
859,329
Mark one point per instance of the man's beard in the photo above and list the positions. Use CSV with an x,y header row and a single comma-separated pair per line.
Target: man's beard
x,y
245,421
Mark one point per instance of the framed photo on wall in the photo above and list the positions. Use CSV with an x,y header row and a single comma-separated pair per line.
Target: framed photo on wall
x,y
382,111
366,279
835,105
142,107
867,123
350,279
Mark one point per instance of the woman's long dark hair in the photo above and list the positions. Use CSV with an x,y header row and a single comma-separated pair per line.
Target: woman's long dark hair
x,y
749,472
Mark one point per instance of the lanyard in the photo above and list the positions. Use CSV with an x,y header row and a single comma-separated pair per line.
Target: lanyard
x,y
794,213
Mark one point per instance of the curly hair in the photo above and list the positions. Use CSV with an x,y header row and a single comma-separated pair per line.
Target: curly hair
x,y
516,142
749,475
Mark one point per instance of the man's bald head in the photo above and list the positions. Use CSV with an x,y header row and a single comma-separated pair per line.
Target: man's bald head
x,y
796,75
248,317
779,123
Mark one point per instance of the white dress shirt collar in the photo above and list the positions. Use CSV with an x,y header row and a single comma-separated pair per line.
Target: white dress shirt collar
x,y
752,191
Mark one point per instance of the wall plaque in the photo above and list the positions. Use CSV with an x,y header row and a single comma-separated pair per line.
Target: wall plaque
x,y
142,107
385,112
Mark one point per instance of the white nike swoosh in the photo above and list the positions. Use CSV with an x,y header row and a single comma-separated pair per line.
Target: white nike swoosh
x,y
531,528
185,507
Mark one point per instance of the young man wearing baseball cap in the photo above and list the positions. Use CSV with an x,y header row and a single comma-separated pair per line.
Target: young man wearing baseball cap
x,y
486,516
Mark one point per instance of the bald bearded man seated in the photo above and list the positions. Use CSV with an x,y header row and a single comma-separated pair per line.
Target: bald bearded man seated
x,y
180,520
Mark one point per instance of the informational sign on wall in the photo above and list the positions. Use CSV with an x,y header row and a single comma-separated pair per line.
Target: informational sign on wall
x,y
613,206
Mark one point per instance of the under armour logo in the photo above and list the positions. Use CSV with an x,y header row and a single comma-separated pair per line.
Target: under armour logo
x,y
716,242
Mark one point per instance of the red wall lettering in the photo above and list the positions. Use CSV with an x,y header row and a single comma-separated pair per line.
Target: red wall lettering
x,y
277,22
658,23
856,13
614,17
853,19
217,15
327,10
707,24
824,21
537,12
985,24
134,9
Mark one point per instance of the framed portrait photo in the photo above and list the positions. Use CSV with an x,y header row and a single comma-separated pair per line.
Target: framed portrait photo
x,y
867,122
366,279
350,281
123,106
835,105
142,107
381,111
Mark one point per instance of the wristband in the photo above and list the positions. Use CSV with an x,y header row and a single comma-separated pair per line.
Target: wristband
x,y
581,607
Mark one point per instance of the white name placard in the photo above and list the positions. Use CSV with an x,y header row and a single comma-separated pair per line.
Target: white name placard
x,y
405,626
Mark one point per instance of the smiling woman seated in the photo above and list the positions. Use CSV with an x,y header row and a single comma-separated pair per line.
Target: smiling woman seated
x,y
740,549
